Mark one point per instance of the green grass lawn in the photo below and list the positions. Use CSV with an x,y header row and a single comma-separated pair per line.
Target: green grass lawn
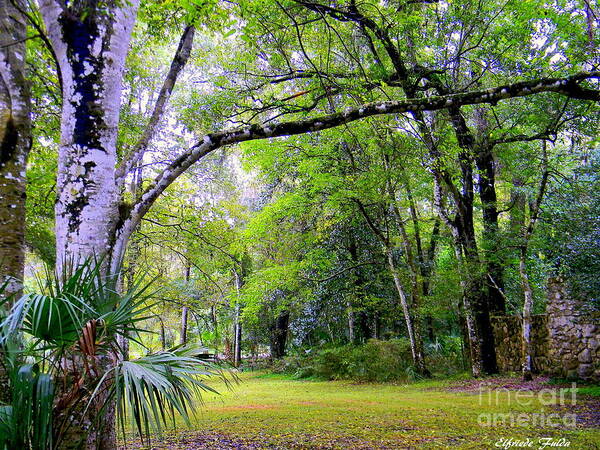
x,y
272,411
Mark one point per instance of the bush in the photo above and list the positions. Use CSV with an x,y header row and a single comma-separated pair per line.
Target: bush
x,y
445,356
379,361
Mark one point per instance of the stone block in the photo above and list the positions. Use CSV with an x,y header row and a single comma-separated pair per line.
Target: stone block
x,y
585,356
571,364
585,370
589,330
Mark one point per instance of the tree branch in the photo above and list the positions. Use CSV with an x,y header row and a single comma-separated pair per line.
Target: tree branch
x,y
179,61
565,86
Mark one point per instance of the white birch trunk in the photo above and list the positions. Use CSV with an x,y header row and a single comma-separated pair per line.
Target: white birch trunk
x,y
527,318
415,349
91,55
91,45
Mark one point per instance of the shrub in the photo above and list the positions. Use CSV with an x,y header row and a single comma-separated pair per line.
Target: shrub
x,y
445,355
376,360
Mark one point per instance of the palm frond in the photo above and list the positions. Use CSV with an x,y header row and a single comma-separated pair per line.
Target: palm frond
x,y
150,391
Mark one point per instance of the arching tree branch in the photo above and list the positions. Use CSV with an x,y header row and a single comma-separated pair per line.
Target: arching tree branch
x,y
568,86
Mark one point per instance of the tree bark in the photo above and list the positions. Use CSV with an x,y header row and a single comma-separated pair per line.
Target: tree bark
x,y
491,239
184,326
15,142
361,331
486,183
184,310
91,45
527,316
350,313
237,334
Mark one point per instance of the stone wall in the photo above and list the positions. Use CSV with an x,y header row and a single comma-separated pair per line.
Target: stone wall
x,y
509,343
566,340
574,335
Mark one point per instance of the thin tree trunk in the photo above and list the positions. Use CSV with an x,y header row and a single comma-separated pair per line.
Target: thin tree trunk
x,y
377,327
361,331
163,336
184,326
184,310
527,291
237,329
411,313
237,344
527,316
413,336
350,313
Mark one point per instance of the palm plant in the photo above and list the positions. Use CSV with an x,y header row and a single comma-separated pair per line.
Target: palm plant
x,y
70,331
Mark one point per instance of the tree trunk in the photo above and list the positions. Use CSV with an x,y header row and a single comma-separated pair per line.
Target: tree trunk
x,y
184,310
377,327
477,320
483,349
15,142
416,346
412,328
527,291
350,313
426,260
279,332
237,334
163,336
184,326
412,264
237,326
363,322
361,331
491,241
486,184
91,45
527,313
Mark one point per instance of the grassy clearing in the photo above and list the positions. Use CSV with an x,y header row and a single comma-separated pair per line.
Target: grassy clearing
x,y
274,411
